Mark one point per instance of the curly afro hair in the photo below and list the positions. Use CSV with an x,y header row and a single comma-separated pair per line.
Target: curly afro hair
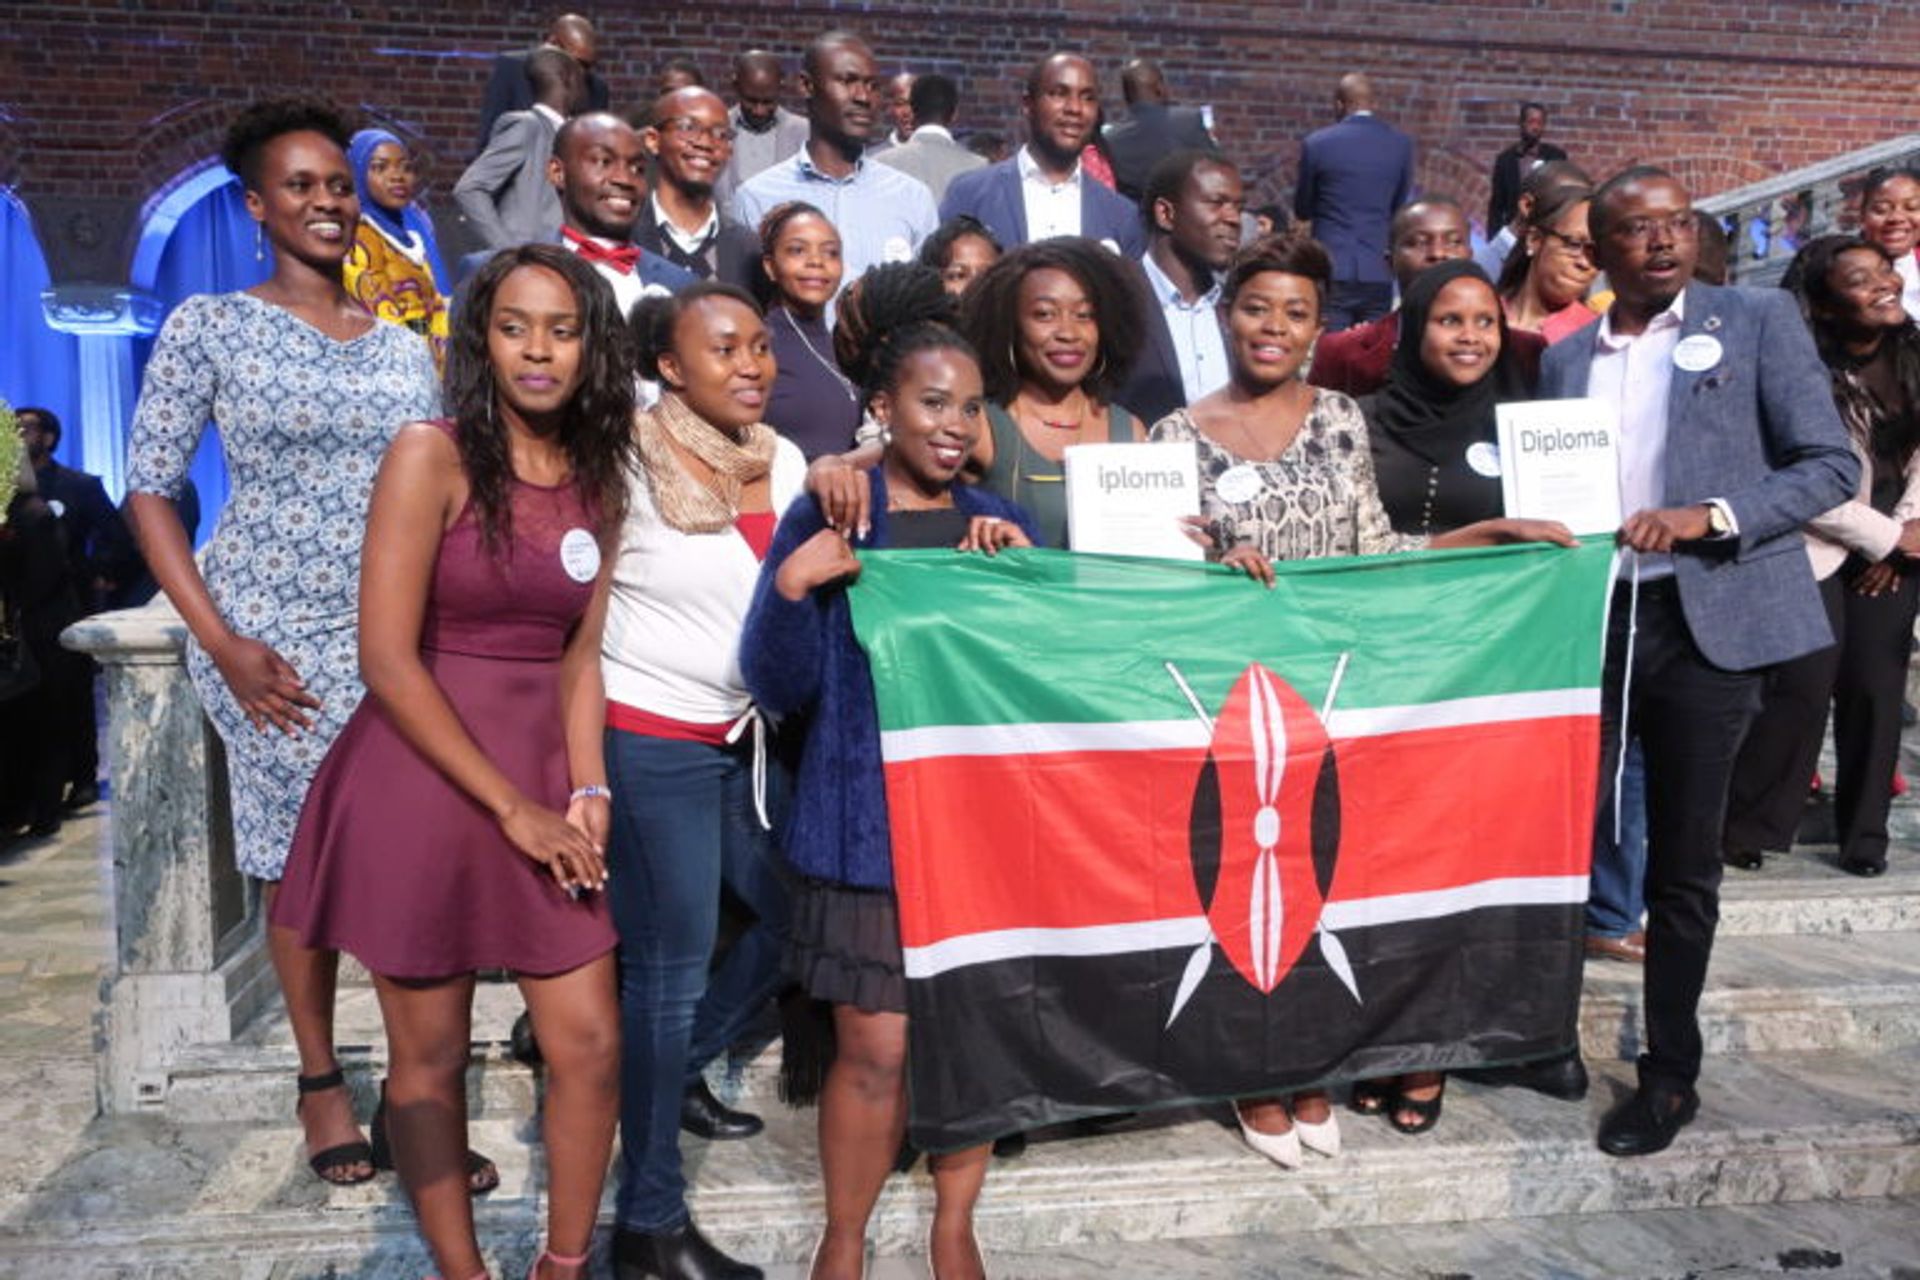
x,y
251,131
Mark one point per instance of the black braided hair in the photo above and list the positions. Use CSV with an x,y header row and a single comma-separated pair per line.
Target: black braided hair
x,y
888,315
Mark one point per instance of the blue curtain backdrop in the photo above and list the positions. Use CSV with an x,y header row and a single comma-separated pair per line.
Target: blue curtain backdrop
x,y
209,249
38,366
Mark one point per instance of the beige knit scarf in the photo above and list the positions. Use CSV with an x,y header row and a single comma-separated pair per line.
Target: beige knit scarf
x,y
684,502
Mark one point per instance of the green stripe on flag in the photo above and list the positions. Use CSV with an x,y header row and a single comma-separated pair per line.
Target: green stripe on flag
x,y
1054,637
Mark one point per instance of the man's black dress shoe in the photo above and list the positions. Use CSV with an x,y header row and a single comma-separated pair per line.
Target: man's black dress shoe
x,y
678,1253
1862,867
1648,1121
1564,1077
705,1116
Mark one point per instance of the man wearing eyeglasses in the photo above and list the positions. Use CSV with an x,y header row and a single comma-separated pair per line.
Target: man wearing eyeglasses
x,y
1728,443
690,142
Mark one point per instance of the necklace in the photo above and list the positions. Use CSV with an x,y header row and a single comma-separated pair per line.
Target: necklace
x,y
846,384
1074,423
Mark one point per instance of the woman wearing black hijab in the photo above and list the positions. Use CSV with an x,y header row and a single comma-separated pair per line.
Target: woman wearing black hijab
x,y
1431,429
1431,426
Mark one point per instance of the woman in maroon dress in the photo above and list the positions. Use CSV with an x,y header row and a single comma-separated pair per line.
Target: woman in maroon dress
x,y
459,820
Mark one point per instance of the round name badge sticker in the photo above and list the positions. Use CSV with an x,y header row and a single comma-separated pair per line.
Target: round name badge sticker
x,y
1484,459
1698,353
580,555
896,249
1239,483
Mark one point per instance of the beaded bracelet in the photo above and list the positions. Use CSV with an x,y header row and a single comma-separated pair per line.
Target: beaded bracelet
x,y
591,791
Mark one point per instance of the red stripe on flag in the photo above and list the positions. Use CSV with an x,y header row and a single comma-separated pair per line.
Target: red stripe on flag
x,y
1074,839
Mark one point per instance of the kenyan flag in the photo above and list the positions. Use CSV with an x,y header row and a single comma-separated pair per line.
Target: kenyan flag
x,y
1161,835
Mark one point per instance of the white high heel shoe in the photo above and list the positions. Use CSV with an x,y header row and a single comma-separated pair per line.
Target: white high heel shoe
x,y
1281,1148
1323,1137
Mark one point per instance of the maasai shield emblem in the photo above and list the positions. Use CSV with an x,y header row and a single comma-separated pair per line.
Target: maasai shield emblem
x,y
1265,832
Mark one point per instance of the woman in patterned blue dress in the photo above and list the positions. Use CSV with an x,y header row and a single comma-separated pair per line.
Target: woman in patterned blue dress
x,y
307,389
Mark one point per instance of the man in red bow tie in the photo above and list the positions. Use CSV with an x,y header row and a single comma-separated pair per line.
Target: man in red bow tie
x,y
600,169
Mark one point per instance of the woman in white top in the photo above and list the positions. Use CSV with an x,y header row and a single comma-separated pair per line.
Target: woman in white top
x,y
1862,552
693,795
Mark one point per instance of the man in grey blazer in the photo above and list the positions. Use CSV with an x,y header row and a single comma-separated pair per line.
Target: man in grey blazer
x,y
504,193
931,154
1729,442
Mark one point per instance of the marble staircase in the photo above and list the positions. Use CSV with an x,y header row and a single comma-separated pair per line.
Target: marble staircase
x,y
1812,1023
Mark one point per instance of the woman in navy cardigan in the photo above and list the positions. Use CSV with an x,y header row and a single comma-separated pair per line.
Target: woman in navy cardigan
x,y
799,657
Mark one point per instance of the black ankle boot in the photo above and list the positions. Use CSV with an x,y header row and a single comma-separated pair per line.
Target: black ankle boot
x,y
678,1253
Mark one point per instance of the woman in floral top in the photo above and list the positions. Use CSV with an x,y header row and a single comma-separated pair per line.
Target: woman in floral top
x,y
1286,473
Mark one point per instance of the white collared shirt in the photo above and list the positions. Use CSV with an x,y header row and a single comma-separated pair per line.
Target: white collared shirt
x,y
1632,375
1053,209
1195,329
690,243
551,116
931,131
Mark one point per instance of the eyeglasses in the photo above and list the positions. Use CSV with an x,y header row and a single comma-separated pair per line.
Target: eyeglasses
x,y
1575,245
688,127
1675,226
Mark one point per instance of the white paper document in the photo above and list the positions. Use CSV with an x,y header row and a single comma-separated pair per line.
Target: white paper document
x,y
1127,499
1559,460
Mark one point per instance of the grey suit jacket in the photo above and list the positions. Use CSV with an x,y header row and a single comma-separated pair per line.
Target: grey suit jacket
x,y
505,193
1759,431
932,158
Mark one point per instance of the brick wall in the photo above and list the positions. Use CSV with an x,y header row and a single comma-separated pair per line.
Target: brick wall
x,y
112,99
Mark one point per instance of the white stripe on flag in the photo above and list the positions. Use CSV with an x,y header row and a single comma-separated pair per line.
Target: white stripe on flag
x,y
1190,931
898,746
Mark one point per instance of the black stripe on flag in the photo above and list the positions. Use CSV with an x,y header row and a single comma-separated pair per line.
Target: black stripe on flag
x,y
1019,1044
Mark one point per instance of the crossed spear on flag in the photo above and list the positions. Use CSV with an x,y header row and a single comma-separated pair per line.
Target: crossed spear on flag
x,y
1267,906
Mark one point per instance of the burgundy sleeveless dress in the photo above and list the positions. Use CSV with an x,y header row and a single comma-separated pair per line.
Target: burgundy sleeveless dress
x,y
398,867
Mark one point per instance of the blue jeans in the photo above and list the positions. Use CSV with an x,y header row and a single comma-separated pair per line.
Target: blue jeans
x,y
1616,893
683,824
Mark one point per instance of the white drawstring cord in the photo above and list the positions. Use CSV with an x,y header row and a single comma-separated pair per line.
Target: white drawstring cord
x,y
751,718
1626,689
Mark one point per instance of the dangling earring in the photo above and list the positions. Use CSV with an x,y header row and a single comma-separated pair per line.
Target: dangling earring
x,y
1306,366
259,242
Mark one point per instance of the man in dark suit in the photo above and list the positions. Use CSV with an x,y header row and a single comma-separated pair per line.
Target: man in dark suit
x,y
508,88
1511,166
1153,129
1729,443
1192,206
599,169
1353,175
1042,192
690,141
100,558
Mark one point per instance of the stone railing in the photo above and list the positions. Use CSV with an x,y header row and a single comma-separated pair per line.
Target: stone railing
x,y
189,963
1769,220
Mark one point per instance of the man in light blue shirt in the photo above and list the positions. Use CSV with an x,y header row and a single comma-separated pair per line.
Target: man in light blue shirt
x,y
881,213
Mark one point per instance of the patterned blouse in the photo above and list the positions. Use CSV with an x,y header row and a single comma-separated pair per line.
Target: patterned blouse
x,y
1316,499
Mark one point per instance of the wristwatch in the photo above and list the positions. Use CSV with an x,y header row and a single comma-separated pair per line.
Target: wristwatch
x,y
1718,526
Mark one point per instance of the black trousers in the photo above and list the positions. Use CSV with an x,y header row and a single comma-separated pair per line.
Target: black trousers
x,y
1782,750
1876,638
1691,717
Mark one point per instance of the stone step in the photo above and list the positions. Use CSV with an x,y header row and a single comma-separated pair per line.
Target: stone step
x,y
1799,993
1773,1128
1854,1239
1806,892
